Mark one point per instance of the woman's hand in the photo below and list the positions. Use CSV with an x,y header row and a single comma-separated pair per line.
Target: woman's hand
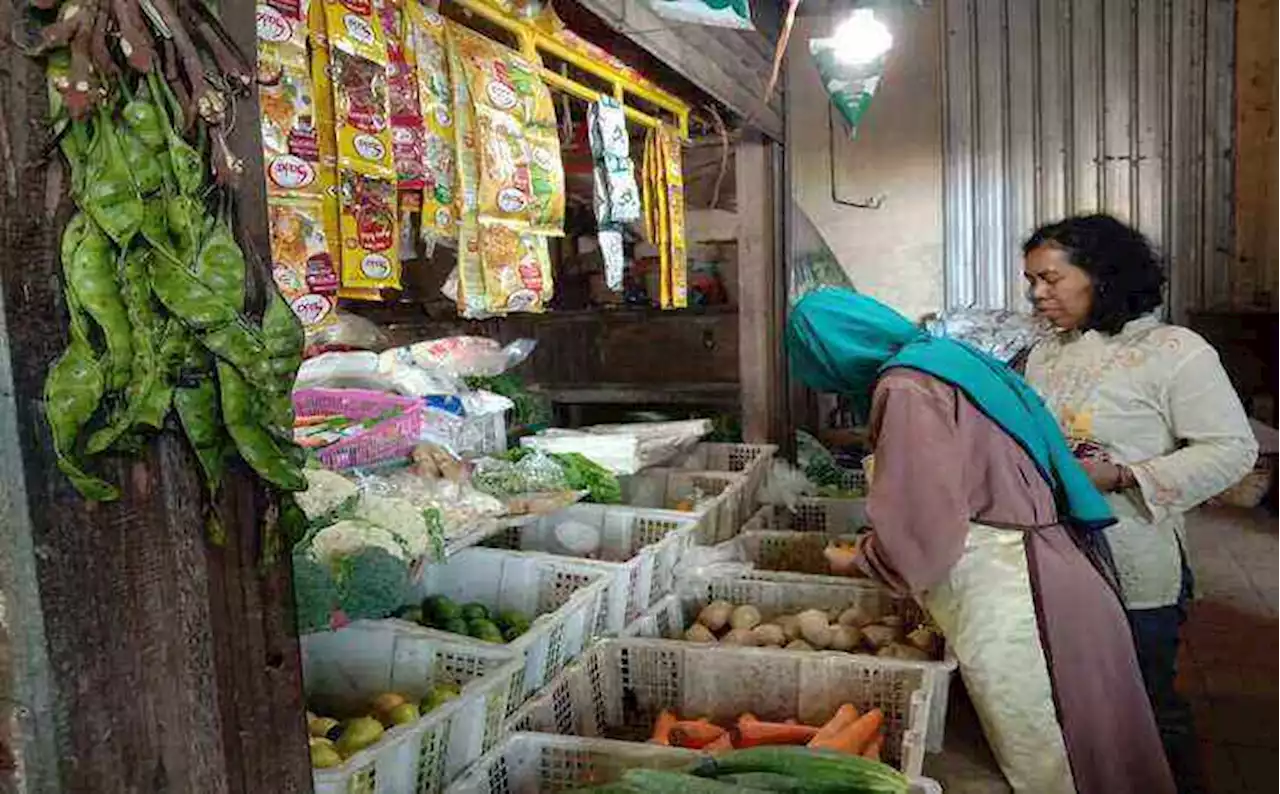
x,y
1107,476
843,559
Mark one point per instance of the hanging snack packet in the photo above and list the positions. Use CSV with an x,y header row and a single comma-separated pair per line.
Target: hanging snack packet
x,y
353,28
301,267
505,191
673,161
408,131
362,111
281,33
370,257
546,181
472,300
517,270
290,137
427,41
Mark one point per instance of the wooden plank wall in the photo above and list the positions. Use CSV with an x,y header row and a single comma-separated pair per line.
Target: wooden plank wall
x,y
1254,271
148,660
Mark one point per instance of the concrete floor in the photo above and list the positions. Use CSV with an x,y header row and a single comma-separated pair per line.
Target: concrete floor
x,y
1228,667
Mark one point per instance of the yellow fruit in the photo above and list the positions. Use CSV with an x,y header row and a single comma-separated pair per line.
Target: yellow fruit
x,y
403,714
323,754
320,726
358,734
384,703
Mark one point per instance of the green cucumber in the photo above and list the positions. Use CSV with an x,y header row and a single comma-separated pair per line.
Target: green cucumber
x,y
764,781
820,771
659,781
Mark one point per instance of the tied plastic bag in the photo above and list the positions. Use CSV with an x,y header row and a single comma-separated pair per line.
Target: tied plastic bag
x,y
345,332
471,356
1000,333
534,473
785,485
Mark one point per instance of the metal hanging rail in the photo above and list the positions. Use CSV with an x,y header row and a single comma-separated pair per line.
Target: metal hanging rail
x,y
533,42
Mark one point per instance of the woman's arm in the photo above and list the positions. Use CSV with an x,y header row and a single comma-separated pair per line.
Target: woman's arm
x,y
918,506
1218,446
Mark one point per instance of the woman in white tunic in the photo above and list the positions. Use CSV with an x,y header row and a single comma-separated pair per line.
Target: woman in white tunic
x,y
1150,411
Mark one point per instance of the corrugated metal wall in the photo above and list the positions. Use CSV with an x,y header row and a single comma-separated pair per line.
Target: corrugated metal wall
x,y
1056,107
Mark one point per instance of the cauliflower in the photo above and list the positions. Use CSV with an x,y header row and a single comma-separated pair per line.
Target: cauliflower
x,y
326,492
401,518
347,538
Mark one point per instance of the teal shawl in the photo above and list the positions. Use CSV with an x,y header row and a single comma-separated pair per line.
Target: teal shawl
x,y
841,342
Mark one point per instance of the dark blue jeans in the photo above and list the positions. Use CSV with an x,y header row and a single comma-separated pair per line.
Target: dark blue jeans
x,y
1155,635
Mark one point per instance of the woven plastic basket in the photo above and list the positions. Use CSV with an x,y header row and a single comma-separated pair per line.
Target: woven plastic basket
x,y
568,597
619,687
540,763
717,498
344,670
389,439
751,460
670,617
812,514
645,544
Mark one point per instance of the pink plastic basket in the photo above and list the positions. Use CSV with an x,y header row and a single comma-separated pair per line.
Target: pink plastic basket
x,y
392,438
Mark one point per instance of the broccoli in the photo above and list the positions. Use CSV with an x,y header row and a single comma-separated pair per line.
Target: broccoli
x,y
358,568
372,584
315,592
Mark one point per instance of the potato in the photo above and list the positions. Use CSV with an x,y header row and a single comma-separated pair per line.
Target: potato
x,y
699,633
799,645
745,617
715,615
845,638
924,639
892,621
814,628
770,634
790,625
856,616
905,652
740,637
880,635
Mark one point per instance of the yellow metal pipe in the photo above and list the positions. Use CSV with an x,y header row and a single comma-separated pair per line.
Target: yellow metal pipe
x,y
533,41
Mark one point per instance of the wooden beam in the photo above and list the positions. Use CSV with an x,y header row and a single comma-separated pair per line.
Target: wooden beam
x,y
1254,282
147,660
758,325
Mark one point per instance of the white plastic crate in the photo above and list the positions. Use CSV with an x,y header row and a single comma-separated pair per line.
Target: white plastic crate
x,y
752,460
812,514
618,688
344,670
672,615
647,543
785,551
568,597
540,763
716,498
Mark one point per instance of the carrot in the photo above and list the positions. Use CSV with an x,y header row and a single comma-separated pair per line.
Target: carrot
x,y
724,742
752,732
662,727
854,738
695,734
843,718
874,748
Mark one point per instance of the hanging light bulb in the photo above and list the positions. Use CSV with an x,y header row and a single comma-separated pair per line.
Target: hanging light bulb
x,y
861,39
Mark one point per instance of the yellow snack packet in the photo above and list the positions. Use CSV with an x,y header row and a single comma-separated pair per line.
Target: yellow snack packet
x,y
673,166
302,268
517,269
353,28
426,41
472,299
363,115
370,232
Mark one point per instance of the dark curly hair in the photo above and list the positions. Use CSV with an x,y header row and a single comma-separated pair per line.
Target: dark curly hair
x,y
1128,278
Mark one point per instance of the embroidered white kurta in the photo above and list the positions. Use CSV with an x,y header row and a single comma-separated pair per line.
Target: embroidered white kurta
x,y
1155,398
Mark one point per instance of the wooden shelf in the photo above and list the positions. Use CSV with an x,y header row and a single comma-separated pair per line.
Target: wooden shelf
x,y
642,394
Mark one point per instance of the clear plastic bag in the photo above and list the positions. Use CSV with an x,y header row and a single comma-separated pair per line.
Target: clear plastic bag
x,y
346,332
469,356
534,473
1000,333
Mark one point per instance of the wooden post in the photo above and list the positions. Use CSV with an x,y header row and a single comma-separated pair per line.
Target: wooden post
x,y
759,325
134,657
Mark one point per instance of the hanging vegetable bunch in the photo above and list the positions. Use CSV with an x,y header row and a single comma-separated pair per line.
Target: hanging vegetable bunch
x,y
153,277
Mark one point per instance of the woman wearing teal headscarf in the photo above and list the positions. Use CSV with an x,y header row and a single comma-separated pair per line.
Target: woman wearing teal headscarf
x,y
973,504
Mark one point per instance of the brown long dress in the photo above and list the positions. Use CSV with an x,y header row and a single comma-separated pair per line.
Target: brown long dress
x,y
963,520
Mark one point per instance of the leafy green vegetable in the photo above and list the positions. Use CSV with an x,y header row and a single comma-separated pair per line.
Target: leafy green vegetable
x,y
585,474
530,408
